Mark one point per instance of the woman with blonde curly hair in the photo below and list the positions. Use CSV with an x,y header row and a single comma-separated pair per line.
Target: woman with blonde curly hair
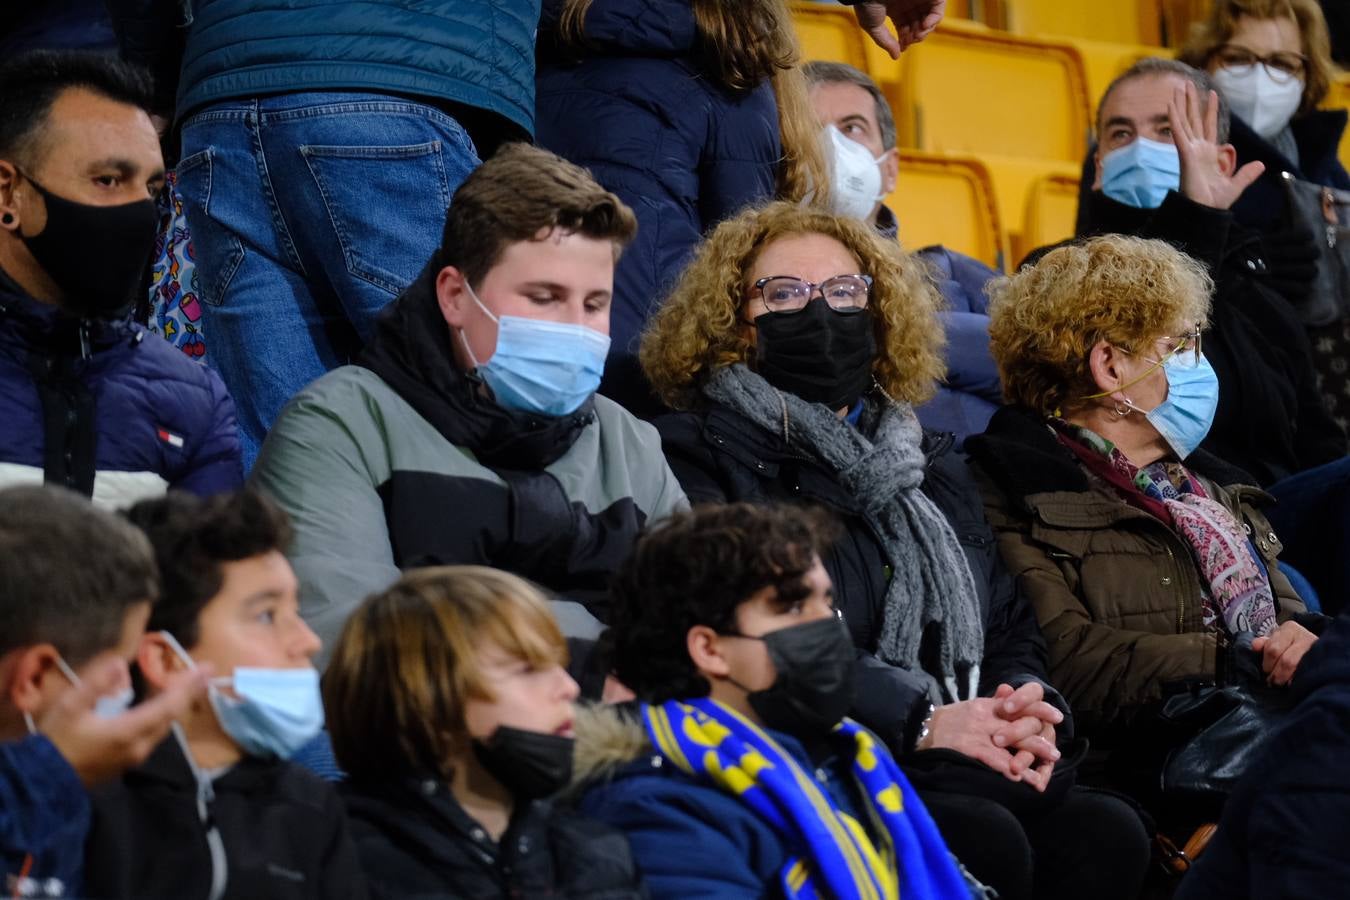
x,y
1142,555
793,349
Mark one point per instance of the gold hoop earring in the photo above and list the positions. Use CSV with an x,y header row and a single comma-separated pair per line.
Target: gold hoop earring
x,y
1121,410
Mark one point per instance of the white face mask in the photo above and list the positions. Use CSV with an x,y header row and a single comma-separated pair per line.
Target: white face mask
x,y
108,706
855,175
1258,98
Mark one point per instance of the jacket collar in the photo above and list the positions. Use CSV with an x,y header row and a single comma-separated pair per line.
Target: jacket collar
x,y
1035,471
887,225
48,328
1317,134
168,766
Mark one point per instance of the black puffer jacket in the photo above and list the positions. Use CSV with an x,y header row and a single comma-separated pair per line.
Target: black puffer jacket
x,y
282,830
1271,421
720,456
417,843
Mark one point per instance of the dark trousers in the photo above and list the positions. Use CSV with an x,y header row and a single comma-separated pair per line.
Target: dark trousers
x,y
1092,845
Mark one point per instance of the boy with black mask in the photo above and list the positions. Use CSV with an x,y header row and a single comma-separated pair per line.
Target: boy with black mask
x,y
87,401
739,774
217,811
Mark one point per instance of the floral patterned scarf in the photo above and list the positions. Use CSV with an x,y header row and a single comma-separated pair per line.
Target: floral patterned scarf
x,y
1239,597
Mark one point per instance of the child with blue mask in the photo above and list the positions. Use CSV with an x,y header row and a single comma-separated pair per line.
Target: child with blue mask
x,y
217,806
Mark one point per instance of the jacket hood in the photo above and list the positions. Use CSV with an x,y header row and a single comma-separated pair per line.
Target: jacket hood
x,y
609,738
661,28
1025,459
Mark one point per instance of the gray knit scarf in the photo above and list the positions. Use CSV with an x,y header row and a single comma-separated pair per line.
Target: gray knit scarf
x,y
931,584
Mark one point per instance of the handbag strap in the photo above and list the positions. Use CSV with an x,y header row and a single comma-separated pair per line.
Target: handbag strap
x,y
1178,861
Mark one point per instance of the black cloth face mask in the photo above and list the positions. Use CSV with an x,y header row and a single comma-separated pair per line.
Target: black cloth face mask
x,y
97,255
529,764
814,689
819,354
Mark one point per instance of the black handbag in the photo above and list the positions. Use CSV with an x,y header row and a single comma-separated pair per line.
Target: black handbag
x,y
1325,212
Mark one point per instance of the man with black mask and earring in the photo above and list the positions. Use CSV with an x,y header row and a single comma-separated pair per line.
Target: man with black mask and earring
x,y
88,399
737,774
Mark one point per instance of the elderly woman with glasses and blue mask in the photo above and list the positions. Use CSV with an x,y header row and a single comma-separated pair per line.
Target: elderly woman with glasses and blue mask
x,y
793,349
1143,555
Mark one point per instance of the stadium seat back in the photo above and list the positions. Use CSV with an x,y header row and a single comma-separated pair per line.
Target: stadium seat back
x,y
949,201
830,32
973,90
1118,21
1051,213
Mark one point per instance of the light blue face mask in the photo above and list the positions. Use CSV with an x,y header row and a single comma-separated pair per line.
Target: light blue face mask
x,y
108,706
1185,417
275,712
546,368
1141,173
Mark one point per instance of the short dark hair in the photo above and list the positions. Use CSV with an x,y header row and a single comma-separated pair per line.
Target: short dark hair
x,y
519,192
69,572
31,81
826,72
1157,65
193,537
695,568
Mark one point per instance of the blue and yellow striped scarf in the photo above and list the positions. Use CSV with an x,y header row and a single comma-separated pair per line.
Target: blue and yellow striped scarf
x,y
832,855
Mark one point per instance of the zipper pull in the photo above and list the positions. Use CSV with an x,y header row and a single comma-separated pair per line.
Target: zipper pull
x,y
84,339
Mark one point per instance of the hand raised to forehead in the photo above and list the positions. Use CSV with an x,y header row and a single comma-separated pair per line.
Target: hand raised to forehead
x,y
1195,132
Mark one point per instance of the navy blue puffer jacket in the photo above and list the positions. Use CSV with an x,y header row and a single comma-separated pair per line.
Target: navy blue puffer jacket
x,y
654,129
108,408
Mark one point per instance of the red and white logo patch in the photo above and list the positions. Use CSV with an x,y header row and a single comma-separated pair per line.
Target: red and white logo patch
x,y
168,437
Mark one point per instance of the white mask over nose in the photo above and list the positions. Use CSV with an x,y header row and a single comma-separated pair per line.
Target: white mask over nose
x,y
1258,98
855,175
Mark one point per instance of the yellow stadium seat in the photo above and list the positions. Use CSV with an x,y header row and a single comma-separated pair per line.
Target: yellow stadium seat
x,y
1051,213
1339,98
970,89
1014,179
1104,61
1118,21
950,201
830,32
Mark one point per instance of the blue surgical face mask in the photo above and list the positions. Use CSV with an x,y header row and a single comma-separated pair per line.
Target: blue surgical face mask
x,y
274,712
1141,173
108,706
545,368
1185,417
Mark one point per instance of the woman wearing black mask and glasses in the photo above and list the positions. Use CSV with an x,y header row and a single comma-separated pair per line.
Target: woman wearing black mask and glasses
x,y
794,346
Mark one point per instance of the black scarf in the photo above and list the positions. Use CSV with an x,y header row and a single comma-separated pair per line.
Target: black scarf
x,y
411,352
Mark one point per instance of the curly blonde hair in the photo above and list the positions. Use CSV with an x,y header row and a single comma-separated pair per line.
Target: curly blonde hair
x,y
1045,320
1212,33
700,327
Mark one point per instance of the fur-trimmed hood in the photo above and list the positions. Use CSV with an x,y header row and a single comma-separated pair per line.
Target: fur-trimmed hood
x,y
609,738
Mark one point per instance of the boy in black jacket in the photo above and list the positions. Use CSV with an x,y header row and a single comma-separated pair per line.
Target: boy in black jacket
x,y
217,812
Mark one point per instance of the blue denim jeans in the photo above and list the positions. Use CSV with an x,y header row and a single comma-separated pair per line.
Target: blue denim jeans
x,y
309,213
1312,518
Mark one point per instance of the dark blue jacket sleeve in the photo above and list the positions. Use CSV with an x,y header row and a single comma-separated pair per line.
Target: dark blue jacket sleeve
x,y
44,814
217,465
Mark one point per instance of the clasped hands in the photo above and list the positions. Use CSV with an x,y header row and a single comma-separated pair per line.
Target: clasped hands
x,y
1012,732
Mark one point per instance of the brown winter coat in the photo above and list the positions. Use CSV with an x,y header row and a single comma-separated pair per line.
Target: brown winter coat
x,y
1115,589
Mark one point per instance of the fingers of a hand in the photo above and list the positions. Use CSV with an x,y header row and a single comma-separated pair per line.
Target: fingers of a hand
x,y
998,760
1020,699
1045,712
1003,691
1248,174
1177,119
1022,762
1287,664
1212,118
1015,732
1039,747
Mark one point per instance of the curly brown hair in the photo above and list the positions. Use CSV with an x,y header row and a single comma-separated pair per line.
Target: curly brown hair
x,y
1045,320
1213,32
699,329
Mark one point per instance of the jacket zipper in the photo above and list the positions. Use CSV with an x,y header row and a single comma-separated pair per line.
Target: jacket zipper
x,y
1181,594
206,795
